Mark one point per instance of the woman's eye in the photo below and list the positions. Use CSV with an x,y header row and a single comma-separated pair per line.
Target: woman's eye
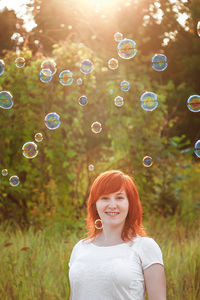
x,y
120,198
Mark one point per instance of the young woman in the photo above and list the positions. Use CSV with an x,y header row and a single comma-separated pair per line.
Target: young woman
x,y
117,261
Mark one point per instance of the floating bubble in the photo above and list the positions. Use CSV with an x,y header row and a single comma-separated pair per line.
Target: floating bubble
x,y
15,36
86,66
118,36
119,101
193,103
159,62
4,172
83,100
127,48
197,148
125,86
30,150
14,180
79,81
6,100
110,91
2,67
198,28
52,121
45,75
147,161
36,42
69,27
96,127
149,101
66,77
91,168
113,64
38,137
49,64
20,62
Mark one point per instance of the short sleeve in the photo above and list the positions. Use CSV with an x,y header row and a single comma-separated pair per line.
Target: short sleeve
x,y
73,253
150,253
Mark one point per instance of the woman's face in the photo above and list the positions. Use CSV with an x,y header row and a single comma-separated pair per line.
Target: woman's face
x,y
116,202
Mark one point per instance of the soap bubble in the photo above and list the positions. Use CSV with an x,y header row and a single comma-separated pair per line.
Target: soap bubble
x,y
79,81
125,86
2,67
15,36
197,148
193,103
159,62
38,137
83,100
45,75
147,161
20,62
119,101
126,48
91,167
96,127
198,28
30,150
110,91
149,101
86,66
66,77
69,27
113,64
49,64
52,121
118,36
14,180
4,172
6,100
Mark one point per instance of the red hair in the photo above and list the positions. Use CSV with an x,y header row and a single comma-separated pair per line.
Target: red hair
x,y
107,183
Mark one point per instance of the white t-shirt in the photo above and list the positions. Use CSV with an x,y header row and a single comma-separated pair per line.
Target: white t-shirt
x,y
112,272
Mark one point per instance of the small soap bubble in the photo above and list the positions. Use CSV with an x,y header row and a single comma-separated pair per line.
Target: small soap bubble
x,y
198,28
197,148
6,101
52,121
38,137
159,62
149,101
96,127
79,81
15,36
30,150
4,172
118,36
91,167
86,66
127,48
193,103
62,25
110,91
20,62
69,27
113,64
119,101
125,86
2,67
45,75
49,64
66,77
36,42
83,100
147,161
14,180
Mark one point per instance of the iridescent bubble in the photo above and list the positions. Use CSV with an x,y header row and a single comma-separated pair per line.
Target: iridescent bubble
x,y
49,64
149,101
66,77
125,86
83,100
127,48
197,148
14,180
79,81
38,137
15,36
147,161
198,28
113,64
91,167
20,62
193,103
110,91
4,172
118,36
86,66
6,100
52,121
30,150
159,62
96,127
45,75
2,67
119,101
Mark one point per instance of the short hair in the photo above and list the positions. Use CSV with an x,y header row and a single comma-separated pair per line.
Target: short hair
x,y
107,183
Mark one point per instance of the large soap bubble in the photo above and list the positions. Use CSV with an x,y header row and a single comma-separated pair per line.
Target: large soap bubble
x,y
193,103
6,100
52,121
45,75
2,67
149,101
197,148
96,127
159,62
198,28
66,77
30,150
86,66
14,180
127,48
49,64
20,62
147,161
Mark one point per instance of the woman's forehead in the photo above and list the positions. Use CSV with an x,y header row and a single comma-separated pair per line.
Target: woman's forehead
x,y
119,192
